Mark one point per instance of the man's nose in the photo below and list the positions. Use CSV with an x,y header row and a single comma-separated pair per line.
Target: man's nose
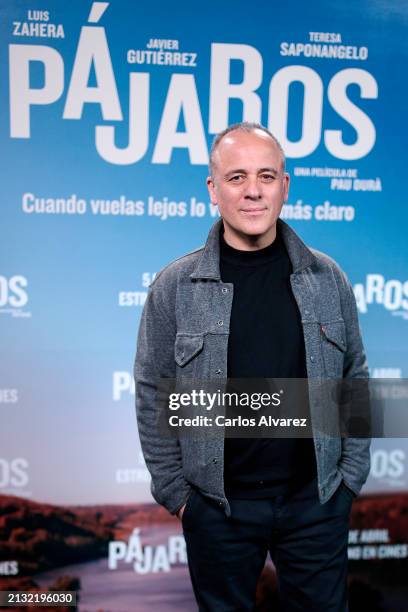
x,y
253,190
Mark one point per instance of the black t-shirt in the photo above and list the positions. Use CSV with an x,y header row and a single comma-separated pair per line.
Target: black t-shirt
x,y
266,341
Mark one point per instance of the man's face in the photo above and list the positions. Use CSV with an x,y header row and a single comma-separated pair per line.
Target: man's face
x,y
249,187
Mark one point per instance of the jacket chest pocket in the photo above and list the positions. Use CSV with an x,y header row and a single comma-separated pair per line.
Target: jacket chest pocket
x,y
187,349
333,342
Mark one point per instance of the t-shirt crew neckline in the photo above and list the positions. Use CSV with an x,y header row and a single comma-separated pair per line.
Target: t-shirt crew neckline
x,y
237,257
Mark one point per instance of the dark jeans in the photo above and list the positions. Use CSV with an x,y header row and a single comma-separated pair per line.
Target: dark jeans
x,y
307,542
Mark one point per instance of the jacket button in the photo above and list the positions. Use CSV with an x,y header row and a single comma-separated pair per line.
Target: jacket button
x,y
311,358
318,445
218,371
221,504
224,290
214,460
220,323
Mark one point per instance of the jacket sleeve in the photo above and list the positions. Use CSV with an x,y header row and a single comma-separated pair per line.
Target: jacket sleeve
x,y
355,458
154,361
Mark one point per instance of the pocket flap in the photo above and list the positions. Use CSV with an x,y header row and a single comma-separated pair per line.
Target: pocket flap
x,y
335,333
187,347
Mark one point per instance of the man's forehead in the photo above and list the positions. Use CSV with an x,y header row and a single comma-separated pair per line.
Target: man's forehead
x,y
238,143
254,136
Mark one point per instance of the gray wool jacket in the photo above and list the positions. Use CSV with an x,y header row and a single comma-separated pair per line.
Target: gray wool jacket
x,y
184,332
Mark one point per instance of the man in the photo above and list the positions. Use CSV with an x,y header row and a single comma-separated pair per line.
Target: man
x,y
255,302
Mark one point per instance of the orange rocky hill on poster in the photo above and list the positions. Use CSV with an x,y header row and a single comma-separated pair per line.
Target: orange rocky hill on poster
x,y
43,536
382,511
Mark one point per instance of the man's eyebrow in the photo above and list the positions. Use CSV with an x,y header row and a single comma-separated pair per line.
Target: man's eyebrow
x,y
269,169
243,171
235,171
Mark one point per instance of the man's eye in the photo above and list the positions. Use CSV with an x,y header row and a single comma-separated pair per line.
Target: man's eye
x,y
235,178
268,177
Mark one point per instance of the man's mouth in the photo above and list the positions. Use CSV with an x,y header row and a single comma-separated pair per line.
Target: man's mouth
x,y
253,211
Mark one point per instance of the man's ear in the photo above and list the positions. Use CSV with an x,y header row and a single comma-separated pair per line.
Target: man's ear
x,y
211,190
286,179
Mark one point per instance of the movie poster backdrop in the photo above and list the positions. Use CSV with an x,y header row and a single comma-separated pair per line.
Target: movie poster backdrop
x,y
108,113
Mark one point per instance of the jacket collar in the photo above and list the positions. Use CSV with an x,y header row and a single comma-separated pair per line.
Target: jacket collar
x,y
208,265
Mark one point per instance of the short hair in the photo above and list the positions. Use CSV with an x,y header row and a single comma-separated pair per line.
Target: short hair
x,y
248,127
